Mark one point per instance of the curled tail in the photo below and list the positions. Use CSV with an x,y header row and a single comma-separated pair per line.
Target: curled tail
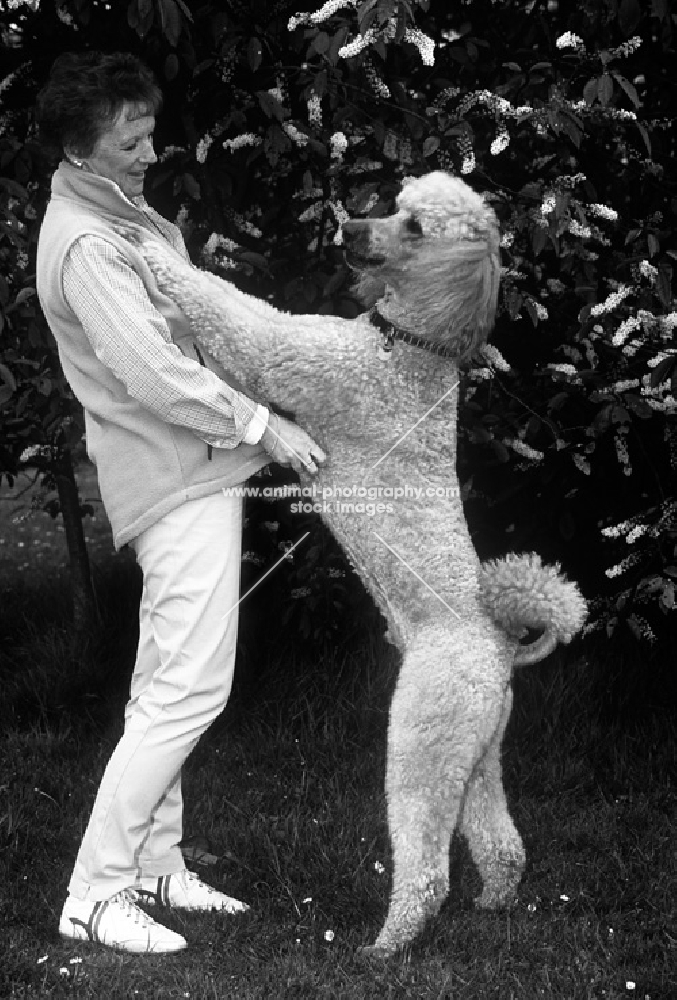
x,y
520,592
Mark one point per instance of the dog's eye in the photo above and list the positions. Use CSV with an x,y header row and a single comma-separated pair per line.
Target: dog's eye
x,y
413,226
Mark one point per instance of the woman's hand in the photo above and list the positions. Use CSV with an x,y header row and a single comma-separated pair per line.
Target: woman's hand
x,y
288,444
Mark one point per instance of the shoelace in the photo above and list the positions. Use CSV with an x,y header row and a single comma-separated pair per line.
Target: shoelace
x,y
127,902
190,876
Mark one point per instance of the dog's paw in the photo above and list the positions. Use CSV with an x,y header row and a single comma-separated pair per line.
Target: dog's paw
x,y
491,900
374,953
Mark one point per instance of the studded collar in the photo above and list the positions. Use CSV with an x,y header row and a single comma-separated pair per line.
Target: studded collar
x,y
391,333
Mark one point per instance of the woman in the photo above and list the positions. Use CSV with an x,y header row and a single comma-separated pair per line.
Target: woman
x,y
167,430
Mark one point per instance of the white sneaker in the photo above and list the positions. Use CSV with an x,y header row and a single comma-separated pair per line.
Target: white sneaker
x,y
117,923
184,891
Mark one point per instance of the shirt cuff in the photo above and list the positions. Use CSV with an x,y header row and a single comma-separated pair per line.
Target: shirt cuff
x,y
257,426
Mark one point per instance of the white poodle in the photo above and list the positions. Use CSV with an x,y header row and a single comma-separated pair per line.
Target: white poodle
x,y
379,394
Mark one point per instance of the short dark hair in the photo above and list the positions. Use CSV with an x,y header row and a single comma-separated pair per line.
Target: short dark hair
x,y
85,93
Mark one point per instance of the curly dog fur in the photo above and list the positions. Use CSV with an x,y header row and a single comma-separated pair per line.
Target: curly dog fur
x,y
387,418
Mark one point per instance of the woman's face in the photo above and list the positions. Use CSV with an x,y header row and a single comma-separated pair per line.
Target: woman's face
x,y
125,150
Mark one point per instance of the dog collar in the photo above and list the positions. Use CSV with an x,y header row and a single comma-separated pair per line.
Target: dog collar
x,y
391,333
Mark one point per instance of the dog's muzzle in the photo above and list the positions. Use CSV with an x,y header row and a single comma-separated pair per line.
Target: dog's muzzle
x,y
357,245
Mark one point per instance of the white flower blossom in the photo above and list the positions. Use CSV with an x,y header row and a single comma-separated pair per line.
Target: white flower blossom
x,y
338,145
625,384
647,270
246,139
611,301
369,204
202,148
339,211
170,151
469,163
295,134
626,48
565,369
524,449
323,14
624,330
603,212
548,204
424,43
501,142
622,566
34,451
248,227
494,358
378,85
581,463
616,530
637,532
661,356
570,41
314,104
358,43
576,229
216,242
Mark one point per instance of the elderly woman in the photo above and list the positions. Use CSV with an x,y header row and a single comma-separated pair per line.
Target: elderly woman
x,y
168,430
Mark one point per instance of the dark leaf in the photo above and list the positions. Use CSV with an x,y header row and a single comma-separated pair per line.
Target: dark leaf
x,y
663,369
605,89
170,20
664,285
590,90
191,186
7,377
254,53
627,87
171,66
320,43
645,136
629,16
539,239
337,42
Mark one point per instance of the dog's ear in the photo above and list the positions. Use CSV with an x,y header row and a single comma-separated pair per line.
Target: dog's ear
x,y
450,288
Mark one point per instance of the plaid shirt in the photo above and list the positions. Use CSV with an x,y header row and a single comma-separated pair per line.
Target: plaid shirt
x,y
132,339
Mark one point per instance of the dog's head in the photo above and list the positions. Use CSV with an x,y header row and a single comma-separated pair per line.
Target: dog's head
x,y
436,259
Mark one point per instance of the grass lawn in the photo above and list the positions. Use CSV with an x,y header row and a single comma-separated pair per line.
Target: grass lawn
x,y
285,792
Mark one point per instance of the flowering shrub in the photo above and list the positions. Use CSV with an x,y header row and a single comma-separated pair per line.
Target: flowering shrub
x,y
285,121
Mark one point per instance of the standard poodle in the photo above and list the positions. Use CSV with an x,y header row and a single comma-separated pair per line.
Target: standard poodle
x,y
379,394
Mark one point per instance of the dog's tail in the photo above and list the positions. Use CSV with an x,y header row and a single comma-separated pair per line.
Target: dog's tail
x,y
520,592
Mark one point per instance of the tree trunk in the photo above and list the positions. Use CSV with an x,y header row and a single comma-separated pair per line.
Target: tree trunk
x,y
85,610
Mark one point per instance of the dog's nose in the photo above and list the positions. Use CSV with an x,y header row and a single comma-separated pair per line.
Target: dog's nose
x,y
354,231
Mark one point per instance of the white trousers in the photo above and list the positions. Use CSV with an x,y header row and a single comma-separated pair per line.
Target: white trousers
x,y
183,673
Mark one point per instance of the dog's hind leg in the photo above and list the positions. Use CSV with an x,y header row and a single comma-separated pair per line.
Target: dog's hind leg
x,y
440,723
495,844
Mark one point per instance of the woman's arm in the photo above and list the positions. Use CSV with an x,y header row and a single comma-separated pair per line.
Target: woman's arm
x,y
132,339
